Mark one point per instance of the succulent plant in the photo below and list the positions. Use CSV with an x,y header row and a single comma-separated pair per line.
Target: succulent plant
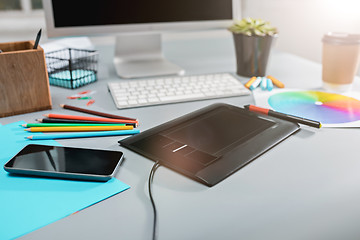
x,y
253,27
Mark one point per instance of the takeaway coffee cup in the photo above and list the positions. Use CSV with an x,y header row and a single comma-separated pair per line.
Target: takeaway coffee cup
x,y
340,60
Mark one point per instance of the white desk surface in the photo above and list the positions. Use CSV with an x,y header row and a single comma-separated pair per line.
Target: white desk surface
x,y
307,187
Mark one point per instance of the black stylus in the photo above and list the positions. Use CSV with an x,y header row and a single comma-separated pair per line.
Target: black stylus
x,y
37,39
288,117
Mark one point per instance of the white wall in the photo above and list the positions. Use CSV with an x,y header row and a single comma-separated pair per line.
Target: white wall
x,y
19,26
302,23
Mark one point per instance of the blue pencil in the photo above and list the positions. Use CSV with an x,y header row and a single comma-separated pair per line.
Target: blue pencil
x,y
83,134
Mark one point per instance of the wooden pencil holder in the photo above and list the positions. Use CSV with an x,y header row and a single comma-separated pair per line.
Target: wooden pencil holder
x,y
24,82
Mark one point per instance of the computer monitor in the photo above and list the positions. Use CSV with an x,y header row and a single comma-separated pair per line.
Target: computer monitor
x,y
138,25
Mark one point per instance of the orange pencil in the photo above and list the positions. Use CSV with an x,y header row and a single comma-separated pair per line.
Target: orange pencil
x,y
72,117
248,84
276,82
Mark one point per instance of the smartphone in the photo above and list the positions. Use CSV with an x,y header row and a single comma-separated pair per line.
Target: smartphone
x,y
65,162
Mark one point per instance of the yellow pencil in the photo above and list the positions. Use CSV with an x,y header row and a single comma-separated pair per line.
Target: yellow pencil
x,y
78,129
248,84
276,82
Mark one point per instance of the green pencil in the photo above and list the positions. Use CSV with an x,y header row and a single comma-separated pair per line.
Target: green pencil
x,y
27,125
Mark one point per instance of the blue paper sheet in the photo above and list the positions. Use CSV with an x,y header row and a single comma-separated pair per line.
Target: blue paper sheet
x,y
29,203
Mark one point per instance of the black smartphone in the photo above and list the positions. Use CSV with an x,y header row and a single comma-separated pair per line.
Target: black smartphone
x,y
65,162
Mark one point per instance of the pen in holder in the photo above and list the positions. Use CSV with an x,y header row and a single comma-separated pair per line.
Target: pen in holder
x,y
72,68
24,83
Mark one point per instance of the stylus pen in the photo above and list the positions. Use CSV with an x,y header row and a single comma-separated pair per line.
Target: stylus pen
x,y
83,134
37,39
288,117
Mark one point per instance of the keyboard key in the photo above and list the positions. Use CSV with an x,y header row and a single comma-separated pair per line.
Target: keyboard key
x,y
180,97
153,99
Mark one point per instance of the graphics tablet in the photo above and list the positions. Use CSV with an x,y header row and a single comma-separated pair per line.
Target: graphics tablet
x,y
212,143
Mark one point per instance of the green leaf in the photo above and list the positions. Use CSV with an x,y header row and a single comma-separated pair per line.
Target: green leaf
x,y
249,26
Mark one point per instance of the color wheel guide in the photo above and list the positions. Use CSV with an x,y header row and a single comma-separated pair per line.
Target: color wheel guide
x,y
331,109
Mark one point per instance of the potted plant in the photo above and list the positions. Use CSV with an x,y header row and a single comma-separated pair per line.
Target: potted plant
x,y
252,40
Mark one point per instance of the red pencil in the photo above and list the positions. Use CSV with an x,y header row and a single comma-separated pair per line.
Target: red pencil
x,y
101,114
72,117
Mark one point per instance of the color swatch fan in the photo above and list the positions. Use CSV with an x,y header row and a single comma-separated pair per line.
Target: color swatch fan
x,y
333,110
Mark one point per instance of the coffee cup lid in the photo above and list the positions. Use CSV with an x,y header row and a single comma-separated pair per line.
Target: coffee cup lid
x,y
341,38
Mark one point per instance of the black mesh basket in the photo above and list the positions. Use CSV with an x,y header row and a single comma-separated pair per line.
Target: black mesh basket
x,y
72,68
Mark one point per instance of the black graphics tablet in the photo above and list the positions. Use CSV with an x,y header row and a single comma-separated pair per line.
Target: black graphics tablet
x,y
212,143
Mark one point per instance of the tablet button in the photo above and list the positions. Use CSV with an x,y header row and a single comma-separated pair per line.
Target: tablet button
x,y
178,148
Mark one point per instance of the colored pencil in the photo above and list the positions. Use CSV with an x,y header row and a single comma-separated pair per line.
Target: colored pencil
x,y
83,134
263,83
78,129
56,120
73,117
276,82
69,124
256,83
248,84
107,115
269,84
288,117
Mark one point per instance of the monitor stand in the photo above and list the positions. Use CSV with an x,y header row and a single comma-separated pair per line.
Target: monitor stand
x,y
140,55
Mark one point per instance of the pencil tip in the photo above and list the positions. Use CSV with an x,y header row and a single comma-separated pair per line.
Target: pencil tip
x,y
30,137
62,105
46,115
23,125
39,120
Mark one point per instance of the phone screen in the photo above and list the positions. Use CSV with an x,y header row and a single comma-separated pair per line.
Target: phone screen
x,y
69,161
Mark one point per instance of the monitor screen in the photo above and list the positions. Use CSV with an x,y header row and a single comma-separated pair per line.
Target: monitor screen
x,y
81,17
134,17
109,12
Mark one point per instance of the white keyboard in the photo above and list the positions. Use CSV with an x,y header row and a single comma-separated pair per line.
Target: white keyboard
x,y
155,91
